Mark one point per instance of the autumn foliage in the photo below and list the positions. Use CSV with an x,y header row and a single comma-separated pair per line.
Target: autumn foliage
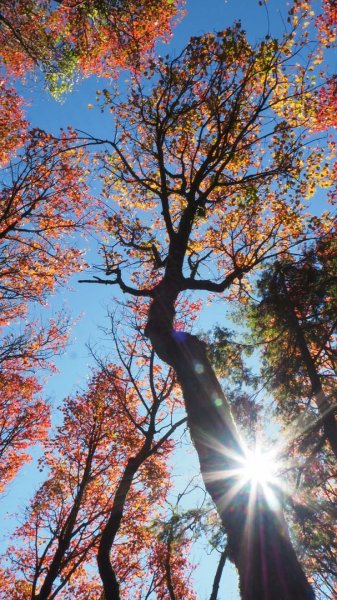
x,y
68,38
210,179
102,433
43,202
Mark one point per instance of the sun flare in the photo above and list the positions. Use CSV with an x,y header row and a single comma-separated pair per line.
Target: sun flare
x,y
258,467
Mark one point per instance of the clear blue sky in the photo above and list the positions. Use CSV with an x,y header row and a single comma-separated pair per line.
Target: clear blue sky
x,y
92,301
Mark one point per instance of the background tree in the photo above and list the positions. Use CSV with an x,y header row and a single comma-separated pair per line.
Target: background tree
x,y
179,529
297,314
24,420
43,202
325,28
107,467
295,321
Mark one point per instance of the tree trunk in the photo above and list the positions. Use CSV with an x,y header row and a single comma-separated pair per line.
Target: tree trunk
x,y
106,571
218,574
258,540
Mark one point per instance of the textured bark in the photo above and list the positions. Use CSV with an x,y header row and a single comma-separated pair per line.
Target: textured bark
x,y
258,541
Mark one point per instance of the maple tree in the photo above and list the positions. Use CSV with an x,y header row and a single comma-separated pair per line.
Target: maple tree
x,y
13,126
43,202
24,420
107,466
324,25
198,207
180,527
24,414
327,24
43,198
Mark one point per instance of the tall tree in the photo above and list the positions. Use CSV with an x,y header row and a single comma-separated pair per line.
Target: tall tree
x,y
24,420
43,197
208,171
24,414
197,209
43,202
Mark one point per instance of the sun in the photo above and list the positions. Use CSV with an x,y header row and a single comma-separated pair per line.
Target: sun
x,y
259,471
258,467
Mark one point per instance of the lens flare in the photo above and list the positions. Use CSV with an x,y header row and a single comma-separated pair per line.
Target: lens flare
x,y
258,467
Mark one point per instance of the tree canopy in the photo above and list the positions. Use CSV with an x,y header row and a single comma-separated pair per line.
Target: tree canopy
x,y
216,174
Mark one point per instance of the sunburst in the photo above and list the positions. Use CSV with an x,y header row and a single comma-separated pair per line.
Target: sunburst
x,y
258,467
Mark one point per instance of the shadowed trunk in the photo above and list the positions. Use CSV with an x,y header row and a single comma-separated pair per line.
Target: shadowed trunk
x,y
258,539
218,575
106,570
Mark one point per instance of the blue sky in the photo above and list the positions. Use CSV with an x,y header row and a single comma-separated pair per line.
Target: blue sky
x,y
92,301
46,113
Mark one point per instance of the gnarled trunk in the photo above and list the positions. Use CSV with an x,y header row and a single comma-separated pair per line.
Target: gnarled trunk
x,y
258,539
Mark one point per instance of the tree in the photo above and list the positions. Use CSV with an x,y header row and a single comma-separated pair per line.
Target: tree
x,y
327,22
327,26
326,29
161,390
297,314
44,199
195,196
24,414
207,170
43,202
107,466
177,532
294,322
13,126
24,420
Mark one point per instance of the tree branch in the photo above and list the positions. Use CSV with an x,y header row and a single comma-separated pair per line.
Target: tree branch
x,y
118,281
189,283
